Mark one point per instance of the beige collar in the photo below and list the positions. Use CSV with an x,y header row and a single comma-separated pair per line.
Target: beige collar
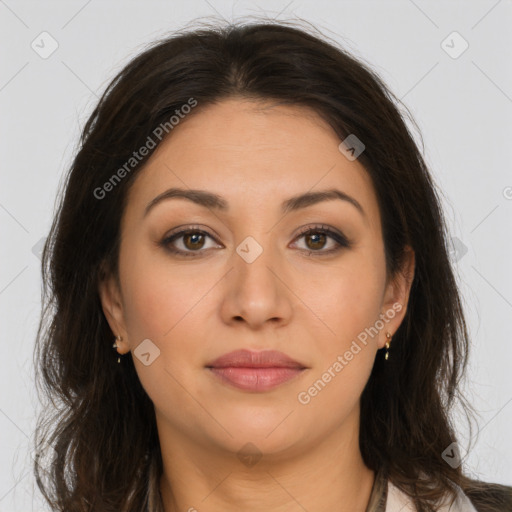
x,y
386,497
398,501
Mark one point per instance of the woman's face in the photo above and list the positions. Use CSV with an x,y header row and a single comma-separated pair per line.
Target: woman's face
x,y
250,279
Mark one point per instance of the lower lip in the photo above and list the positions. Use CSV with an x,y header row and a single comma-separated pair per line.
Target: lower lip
x,y
256,379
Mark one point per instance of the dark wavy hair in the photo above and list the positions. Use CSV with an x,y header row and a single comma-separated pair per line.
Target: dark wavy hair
x,y
95,408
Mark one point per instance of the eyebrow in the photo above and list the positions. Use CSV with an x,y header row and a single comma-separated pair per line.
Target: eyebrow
x,y
216,202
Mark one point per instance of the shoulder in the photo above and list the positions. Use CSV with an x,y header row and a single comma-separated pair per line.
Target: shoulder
x,y
488,497
483,497
398,501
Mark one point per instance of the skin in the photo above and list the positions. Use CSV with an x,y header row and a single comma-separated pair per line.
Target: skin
x,y
312,308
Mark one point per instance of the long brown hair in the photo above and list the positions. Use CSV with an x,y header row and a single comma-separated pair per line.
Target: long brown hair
x,y
97,430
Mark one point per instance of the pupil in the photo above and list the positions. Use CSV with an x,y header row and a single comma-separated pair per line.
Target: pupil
x,y
318,241
193,236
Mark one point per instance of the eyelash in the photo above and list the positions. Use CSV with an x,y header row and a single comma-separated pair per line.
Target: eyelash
x,y
341,240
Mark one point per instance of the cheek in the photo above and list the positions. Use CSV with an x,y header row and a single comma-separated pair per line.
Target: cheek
x,y
347,298
159,307
349,307
157,296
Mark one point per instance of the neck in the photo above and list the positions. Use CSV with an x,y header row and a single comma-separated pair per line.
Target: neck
x,y
329,475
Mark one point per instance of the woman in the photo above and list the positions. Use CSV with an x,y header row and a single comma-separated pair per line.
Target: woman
x,y
250,225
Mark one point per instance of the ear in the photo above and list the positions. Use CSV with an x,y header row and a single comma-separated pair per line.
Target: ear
x,y
396,296
110,297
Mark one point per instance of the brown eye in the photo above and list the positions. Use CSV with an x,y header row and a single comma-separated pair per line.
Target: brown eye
x,y
187,242
317,240
193,240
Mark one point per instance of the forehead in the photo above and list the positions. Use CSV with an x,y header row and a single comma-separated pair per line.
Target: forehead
x,y
255,154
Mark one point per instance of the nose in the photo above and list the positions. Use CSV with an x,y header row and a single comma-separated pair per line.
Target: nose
x,y
257,292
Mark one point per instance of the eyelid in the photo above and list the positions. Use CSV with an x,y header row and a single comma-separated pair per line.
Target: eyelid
x,y
178,233
339,238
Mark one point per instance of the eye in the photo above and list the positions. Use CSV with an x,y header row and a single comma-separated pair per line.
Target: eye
x,y
317,236
191,241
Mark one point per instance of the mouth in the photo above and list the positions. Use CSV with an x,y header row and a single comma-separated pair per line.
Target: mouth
x,y
251,359
256,379
255,371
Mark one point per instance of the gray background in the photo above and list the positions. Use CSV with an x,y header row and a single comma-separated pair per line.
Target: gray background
x,y
463,107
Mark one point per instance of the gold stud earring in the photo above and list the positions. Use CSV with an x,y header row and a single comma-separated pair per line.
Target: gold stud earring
x,y
388,336
118,338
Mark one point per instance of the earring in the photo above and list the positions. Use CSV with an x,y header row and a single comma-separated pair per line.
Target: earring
x,y
118,338
388,336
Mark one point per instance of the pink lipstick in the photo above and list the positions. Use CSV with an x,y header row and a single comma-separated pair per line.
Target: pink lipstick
x,y
255,371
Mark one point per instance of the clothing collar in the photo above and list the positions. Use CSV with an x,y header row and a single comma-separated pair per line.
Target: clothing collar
x,y
386,497
378,496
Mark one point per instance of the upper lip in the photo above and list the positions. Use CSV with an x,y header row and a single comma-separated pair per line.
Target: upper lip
x,y
249,359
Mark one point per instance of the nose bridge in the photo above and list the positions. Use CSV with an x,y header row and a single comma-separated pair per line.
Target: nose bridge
x,y
254,261
258,242
256,290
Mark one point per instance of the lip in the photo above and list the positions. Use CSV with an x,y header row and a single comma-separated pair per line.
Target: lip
x,y
250,359
255,371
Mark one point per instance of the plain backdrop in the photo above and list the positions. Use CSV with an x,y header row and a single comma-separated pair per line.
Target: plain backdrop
x,y
458,86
